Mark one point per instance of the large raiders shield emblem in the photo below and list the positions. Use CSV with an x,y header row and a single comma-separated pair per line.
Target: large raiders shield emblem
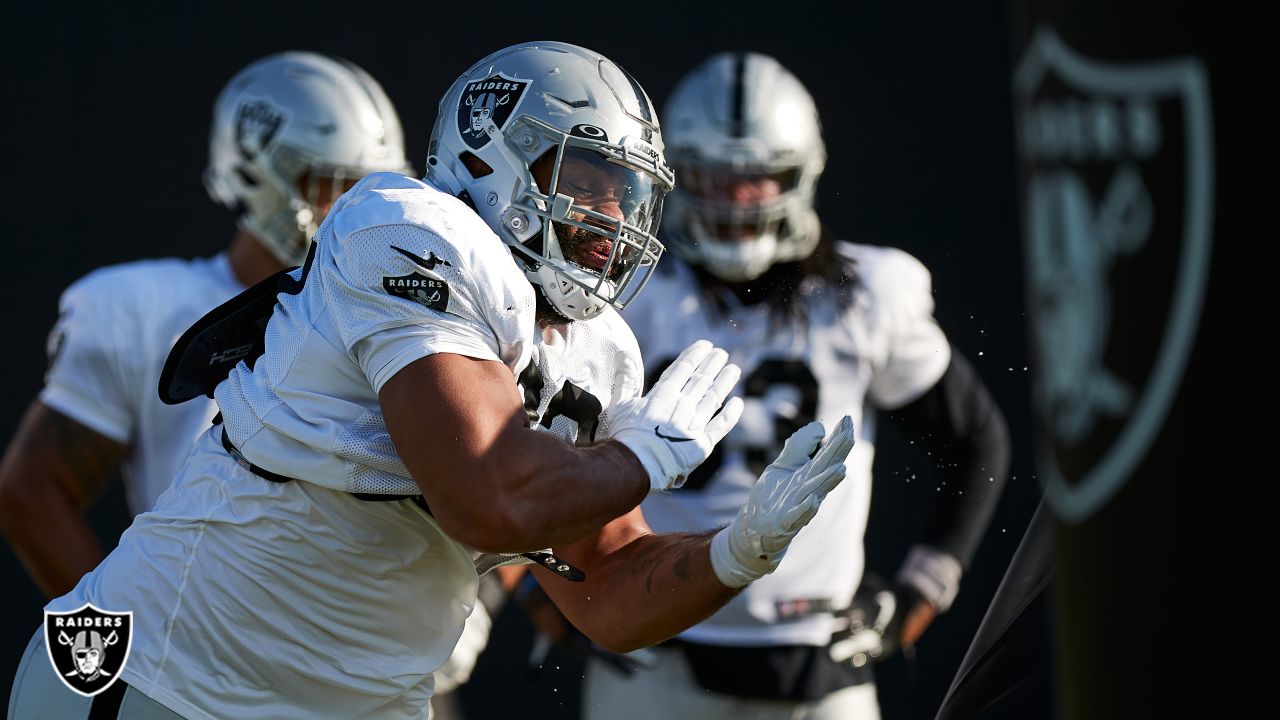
x,y
88,647
1117,163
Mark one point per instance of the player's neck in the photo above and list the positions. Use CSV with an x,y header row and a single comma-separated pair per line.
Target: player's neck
x,y
250,260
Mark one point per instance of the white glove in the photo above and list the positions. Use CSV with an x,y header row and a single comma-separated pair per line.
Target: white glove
x,y
783,500
673,428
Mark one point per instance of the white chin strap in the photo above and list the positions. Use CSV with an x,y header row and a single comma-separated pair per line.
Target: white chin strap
x,y
568,297
739,260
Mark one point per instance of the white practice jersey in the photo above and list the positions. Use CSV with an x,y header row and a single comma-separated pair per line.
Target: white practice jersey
x,y
884,349
114,331
297,600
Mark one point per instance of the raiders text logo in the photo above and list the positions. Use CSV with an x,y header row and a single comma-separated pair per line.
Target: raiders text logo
x,y
419,288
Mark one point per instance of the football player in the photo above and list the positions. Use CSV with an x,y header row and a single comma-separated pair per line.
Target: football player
x,y
821,328
290,133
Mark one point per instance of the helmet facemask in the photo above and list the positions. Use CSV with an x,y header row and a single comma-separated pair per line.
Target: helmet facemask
x,y
584,215
599,218
286,198
738,218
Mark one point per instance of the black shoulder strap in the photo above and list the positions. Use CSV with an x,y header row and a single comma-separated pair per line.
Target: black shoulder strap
x,y
231,332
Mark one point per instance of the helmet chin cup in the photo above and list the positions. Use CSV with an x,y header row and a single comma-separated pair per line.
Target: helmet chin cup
x,y
739,260
566,289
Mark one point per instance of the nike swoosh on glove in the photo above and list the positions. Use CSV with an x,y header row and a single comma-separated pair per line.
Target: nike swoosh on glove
x,y
674,427
784,499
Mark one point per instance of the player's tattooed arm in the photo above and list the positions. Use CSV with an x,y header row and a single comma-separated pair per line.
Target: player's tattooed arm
x,y
651,566
53,468
641,587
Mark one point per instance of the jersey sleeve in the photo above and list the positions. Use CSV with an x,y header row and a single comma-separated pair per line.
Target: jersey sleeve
x,y
91,366
915,350
400,292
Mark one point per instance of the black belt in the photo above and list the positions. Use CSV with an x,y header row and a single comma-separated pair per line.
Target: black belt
x,y
545,559
793,673
106,704
278,478
244,462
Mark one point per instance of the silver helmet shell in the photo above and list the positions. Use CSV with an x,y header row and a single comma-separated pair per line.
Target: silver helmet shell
x,y
560,101
743,114
289,127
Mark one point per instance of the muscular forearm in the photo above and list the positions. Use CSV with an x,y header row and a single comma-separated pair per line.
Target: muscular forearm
x,y
554,493
52,470
51,538
498,485
649,589
642,588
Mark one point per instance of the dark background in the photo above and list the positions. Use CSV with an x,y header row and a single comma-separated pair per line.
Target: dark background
x,y
106,113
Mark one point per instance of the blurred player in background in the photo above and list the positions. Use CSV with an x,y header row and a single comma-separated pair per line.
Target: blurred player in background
x,y
821,328
290,133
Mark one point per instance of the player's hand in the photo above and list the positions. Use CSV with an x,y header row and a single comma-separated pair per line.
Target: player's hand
x,y
882,619
784,499
917,620
674,427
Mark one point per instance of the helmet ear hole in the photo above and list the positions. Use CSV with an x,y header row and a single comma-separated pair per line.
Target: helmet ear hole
x,y
246,178
474,165
542,168
536,245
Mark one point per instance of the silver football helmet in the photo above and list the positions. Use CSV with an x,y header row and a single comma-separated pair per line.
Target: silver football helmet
x,y
559,150
744,137
290,133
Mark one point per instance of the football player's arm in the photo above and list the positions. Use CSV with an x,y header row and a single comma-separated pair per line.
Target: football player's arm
x,y
959,424
53,468
460,426
642,587
941,405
